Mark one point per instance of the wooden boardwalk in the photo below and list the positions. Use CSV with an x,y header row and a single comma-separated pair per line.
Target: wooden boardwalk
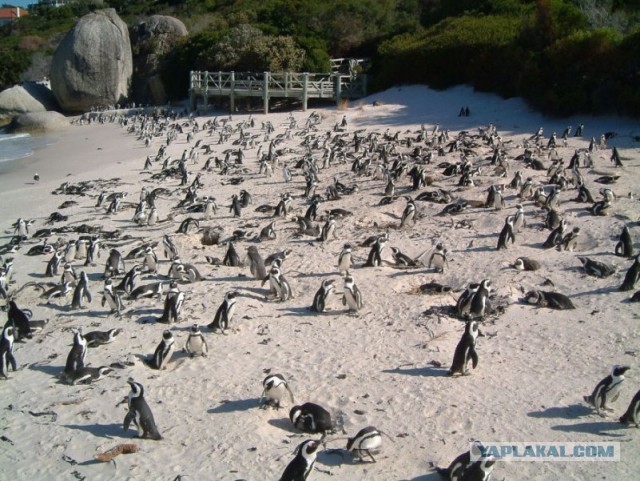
x,y
303,86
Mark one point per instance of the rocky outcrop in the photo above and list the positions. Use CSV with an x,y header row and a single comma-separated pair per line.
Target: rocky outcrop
x,y
151,39
93,65
39,122
17,100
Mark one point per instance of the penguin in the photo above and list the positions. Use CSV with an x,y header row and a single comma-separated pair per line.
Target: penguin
x,y
519,222
526,264
70,251
93,251
268,232
328,230
624,247
139,413
69,275
311,418
320,299
631,415
279,285
57,291
147,290
163,352
352,297
402,259
18,319
438,259
409,213
77,354
274,387
81,292
608,389
188,273
114,264
87,375
7,360
111,297
479,470
231,258
466,350
256,264
53,266
282,256
375,254
99,338
507,233
632,275
196,344
150,260
236,206
457,467
479,300
555,237
463,304
224,314
169,248
302,464
552,300
366,440
172,304
81,248
570,241
344,259
596,268
130,279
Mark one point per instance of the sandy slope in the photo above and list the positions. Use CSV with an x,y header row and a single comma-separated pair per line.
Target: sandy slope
x,y
374,368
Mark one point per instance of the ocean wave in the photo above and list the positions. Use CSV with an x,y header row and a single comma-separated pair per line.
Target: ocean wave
x,y
6,137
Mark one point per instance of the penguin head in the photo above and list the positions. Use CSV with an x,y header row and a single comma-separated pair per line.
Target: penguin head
x,y
619,370
104,370
308,448
348,281
231,295
166,335
518,264
195,329
294,414
328,283
136,388
532,297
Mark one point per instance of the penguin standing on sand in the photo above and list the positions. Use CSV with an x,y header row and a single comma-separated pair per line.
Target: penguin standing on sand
x,y
140,413
172,304
274,388
163,352
311,418
196,344
480,298
352,297
279,284
344,259
519,222
169,248
81,293
93,251
231,257
624,247
256,264
368,439
53,266
466,350
224,314
632,275
111,297
115,264
375,254
632,414
438,259
608,389
409,213
77,355
302,464
320,299
19,319
507,233
6,352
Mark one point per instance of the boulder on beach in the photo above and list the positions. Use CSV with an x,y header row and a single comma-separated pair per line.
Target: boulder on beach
x,y
38,123
152,38
17,100
93,65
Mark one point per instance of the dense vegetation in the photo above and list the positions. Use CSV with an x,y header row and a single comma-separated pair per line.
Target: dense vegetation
x,y
563,56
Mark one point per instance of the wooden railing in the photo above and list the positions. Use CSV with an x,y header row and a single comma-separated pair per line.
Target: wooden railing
x,y
275,84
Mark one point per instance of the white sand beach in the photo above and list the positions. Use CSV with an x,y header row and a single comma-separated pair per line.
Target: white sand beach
x,y
387,365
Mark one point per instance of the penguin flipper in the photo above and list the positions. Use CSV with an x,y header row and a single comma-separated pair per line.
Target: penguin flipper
x,y
474,357
12,361
89,296
131,415
444,472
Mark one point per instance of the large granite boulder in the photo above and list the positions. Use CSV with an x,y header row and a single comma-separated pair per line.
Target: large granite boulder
x,y
39,122
17,100
93,65
152,38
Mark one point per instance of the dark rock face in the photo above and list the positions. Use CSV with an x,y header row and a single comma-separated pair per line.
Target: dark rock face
x,y
151,39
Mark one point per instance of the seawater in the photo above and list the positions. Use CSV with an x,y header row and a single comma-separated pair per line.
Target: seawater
x,y
19,146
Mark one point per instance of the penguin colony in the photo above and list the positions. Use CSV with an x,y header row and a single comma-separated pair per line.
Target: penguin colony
x,y
408,180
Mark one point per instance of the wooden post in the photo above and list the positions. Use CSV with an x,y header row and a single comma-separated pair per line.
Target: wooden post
x,y
232,103
338,88
305,90
192,94
265,92
206,91
364,84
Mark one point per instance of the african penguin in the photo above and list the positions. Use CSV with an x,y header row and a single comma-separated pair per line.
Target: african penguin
x,y
466,350
196,344
366,440
320,299
608,389
352,297
274,388
99,338
77,354
140,413
632,275
311,418
224,314
81,293
163,352
632,414
7,360
552,300
302,464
